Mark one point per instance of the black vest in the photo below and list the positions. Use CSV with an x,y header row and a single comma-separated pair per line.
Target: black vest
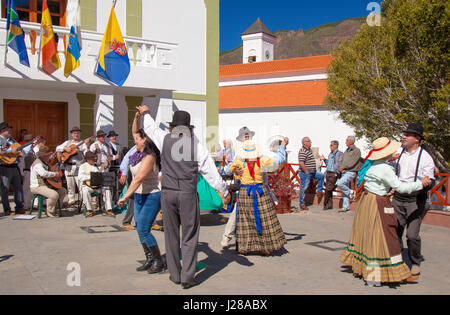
x,y
178,164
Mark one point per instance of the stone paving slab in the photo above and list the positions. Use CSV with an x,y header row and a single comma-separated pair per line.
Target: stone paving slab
x,y
34,256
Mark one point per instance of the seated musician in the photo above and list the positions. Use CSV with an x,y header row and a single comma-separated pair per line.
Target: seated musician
x,y
84,177
38,174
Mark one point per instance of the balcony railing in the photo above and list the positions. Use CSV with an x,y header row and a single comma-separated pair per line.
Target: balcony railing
x,y
142,52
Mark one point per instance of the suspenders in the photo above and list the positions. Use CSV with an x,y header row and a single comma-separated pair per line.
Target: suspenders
x,y
417,166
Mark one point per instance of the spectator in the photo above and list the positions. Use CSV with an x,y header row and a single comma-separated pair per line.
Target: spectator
x,y
351,162
332,173
308,171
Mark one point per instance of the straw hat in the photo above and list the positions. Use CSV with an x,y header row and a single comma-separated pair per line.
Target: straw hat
x,y
383,147
248,151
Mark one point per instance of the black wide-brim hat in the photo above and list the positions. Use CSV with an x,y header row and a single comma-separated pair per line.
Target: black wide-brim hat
x,y
112,133
415,128
181,118
100,133
4,125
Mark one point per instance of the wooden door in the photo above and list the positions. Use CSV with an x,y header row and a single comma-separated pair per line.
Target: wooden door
x,y
48,119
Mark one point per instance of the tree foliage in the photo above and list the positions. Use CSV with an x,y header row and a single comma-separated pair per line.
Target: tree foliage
x,y
397,73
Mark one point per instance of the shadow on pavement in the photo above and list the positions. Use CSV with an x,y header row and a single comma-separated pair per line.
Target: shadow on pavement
x,y
5,257
215,262
296,237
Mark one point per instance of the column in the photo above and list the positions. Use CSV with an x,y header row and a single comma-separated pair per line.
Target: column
x,y
104,109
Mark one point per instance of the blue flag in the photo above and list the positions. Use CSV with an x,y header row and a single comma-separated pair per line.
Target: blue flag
x,y
16,38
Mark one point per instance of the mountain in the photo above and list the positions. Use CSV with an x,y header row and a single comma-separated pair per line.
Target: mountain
x,y
316,41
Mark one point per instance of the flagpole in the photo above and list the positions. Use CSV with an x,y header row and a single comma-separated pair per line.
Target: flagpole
x,y
7,31
40,45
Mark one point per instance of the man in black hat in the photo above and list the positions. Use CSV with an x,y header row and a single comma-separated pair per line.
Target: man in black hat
x,y
9,173
414,163
74,162
116,149
182,158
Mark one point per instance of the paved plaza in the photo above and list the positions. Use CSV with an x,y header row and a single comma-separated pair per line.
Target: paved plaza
x,y
38,257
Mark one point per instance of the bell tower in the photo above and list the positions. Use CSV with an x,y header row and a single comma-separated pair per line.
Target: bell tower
x,y
258,43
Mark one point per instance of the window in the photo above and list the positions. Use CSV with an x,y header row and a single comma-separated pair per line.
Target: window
x,y
251,59
31,10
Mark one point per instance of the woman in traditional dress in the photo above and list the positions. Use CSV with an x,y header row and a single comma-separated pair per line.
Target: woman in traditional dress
x,y
257,226
374,251
144,166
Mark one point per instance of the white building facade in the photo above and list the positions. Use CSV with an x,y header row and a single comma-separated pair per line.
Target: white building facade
x,y
281,98
173,50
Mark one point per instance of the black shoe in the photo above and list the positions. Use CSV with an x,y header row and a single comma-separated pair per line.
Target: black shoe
x,y
149,258
327,208
187,285
176,282
157,265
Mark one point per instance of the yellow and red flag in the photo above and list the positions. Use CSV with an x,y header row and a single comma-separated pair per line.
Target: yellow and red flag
x,y
49,47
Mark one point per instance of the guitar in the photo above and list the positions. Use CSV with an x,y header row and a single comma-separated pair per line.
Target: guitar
x,y
10,158
54,182
64,156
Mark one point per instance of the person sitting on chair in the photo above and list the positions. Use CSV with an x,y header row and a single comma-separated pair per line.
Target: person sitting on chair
x,y
39,172
84,177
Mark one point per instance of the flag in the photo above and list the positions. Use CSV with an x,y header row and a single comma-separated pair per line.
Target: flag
x,y
49,48
113,62
16,38
73,49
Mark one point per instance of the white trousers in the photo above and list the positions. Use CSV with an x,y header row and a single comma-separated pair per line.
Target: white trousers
x,y
87,198
229,228
51,195
71,173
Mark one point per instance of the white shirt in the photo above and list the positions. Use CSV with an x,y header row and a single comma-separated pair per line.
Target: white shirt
x,y
408,164
84,172
104,150
206,165
39,170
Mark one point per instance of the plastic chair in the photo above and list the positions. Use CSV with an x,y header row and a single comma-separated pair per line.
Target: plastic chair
x,y
41,205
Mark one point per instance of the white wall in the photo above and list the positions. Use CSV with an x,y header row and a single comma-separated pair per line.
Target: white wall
x,y
320,126
182,22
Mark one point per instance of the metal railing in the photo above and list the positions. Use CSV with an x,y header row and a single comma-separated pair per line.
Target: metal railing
x,y
440,190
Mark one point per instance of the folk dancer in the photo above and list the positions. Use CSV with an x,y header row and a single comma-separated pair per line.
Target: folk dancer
x,y
145,165
39,172
10,173
414,163
84,176
374,251
73,163
257,225
182,158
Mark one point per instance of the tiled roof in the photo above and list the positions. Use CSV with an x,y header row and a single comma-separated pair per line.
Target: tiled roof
x,y
275,67
258,27
306,93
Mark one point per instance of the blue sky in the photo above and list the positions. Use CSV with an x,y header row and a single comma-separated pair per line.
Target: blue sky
x,y
237,15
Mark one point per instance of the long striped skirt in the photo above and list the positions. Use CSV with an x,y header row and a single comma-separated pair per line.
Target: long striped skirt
x,y
374,249
247,238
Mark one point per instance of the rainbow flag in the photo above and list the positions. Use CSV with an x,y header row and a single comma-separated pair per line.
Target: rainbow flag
x,y
49,48
16,38
113,62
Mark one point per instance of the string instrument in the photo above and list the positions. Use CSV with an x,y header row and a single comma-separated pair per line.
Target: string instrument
x,y
10,158
54,182
64,156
